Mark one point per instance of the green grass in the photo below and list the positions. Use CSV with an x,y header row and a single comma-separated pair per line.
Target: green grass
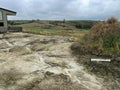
x,y
39,30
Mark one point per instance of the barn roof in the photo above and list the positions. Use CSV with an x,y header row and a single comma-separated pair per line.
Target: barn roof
x,y
8,12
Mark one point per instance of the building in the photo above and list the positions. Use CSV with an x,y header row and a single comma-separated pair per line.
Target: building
x,y
3,18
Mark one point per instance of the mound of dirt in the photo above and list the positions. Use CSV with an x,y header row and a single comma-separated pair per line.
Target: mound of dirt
x,y
4,45
39,47
59,82
20,50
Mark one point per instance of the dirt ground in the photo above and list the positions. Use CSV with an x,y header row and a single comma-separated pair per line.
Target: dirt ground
x,y
37,62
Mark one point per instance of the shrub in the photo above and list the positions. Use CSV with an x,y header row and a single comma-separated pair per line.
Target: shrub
x,y
112,20
104,36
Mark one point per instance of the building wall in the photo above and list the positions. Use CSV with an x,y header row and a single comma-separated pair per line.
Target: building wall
x,y
4,18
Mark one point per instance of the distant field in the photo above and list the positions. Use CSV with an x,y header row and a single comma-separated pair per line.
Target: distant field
x,y
76,28
38,30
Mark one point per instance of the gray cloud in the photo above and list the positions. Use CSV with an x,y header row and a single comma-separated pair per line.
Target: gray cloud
x,y
63,9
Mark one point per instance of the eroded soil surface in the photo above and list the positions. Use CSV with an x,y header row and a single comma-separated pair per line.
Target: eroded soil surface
x,y
37,62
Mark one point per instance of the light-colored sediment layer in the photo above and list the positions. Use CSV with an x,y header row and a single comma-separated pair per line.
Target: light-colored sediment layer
x,y
37,62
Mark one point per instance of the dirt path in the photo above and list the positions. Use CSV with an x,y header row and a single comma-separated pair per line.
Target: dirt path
x,y
36,62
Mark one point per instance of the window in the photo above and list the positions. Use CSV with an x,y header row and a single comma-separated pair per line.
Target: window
x,y
1,16
1,24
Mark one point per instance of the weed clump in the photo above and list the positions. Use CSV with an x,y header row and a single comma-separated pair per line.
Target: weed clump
x,y
104,37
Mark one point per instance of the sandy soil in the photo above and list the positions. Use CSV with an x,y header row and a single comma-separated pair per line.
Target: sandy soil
x,y
37,62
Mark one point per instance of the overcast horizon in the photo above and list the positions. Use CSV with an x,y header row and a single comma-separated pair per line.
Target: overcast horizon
x,y
62,9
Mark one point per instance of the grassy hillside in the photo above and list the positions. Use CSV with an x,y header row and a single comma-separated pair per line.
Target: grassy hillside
x,y
74,24
66,28
78,34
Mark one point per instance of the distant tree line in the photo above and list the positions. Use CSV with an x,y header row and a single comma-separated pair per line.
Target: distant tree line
x,y
79,24
19,22
87,24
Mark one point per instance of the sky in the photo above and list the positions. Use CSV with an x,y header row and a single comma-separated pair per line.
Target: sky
x,y
62,9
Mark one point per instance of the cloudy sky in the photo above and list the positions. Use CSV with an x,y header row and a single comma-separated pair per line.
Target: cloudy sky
x,y
63,9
